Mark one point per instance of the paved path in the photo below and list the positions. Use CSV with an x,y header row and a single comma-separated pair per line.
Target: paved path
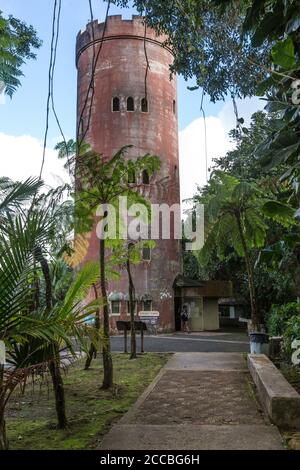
x,y
199,401
194,342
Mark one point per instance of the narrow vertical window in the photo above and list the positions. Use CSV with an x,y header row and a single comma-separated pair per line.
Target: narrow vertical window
x,y
145,177
130,104
116,104
146,253
115,307
144,105
174,106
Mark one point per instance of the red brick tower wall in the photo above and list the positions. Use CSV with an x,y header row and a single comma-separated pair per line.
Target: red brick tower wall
x,y
120,72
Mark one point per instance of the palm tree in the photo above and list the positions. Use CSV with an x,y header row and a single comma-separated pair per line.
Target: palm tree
x,y
70,314
126,255
101,181
17,324
236,212
14,194
234,216
32,329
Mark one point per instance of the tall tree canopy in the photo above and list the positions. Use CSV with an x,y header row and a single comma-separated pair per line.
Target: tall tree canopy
x,y
207,43
17,41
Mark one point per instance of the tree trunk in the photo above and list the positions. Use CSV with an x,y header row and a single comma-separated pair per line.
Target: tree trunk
x,y
47,276
93,350
3,436
131,308
106,351
254,312
59,392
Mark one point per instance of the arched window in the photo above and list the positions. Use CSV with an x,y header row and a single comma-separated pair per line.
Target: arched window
x,y
144,105
116,104
130,104
145,177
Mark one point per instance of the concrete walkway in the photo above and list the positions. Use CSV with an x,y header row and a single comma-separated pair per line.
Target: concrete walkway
x,y
200,401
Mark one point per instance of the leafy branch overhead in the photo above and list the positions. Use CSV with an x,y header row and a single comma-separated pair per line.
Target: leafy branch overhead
x,y
17,42
206,40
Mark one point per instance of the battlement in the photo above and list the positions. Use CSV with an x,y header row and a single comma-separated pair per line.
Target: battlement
x,y
116,26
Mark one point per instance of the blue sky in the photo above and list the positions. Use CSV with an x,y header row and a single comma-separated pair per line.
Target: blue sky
x,y
26,112
22,119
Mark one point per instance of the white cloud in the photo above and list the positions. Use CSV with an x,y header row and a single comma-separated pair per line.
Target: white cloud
x,y
21,157
192,152
192,142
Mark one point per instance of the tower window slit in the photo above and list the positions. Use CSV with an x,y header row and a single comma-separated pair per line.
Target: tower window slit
x,y
145,177
131,177
116,104
130,104
146,253
144,105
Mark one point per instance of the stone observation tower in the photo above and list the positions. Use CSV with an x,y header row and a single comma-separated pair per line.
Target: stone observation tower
x,y
122,116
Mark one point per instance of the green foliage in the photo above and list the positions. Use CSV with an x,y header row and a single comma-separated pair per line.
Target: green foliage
x,y
276,265
17,41
22,298
291,333
69,314
92,410
190,265
103,181
207,44
279,317
14,194
242,162
234,212
284,320
283,54
282,144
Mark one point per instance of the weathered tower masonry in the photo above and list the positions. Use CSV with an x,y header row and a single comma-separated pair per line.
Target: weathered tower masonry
x,y
121,116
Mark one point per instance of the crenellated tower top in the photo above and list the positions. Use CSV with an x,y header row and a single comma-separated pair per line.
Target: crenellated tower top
x,y
117,28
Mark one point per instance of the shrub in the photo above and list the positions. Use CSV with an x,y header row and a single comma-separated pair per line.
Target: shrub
x,y
279,317
291,332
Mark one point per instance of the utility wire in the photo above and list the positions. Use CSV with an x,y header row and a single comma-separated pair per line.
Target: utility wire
x,y
50,78
91,84
52,86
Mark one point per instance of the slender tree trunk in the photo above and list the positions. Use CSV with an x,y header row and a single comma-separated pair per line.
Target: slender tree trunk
x,y
131,308
106,352
93,350
47,276
254,312
54,364
3,437
59,391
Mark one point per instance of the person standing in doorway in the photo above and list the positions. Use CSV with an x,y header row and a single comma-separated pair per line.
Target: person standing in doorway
x,y
185,318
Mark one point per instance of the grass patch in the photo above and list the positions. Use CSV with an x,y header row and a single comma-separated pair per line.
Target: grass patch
x,y
91,411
